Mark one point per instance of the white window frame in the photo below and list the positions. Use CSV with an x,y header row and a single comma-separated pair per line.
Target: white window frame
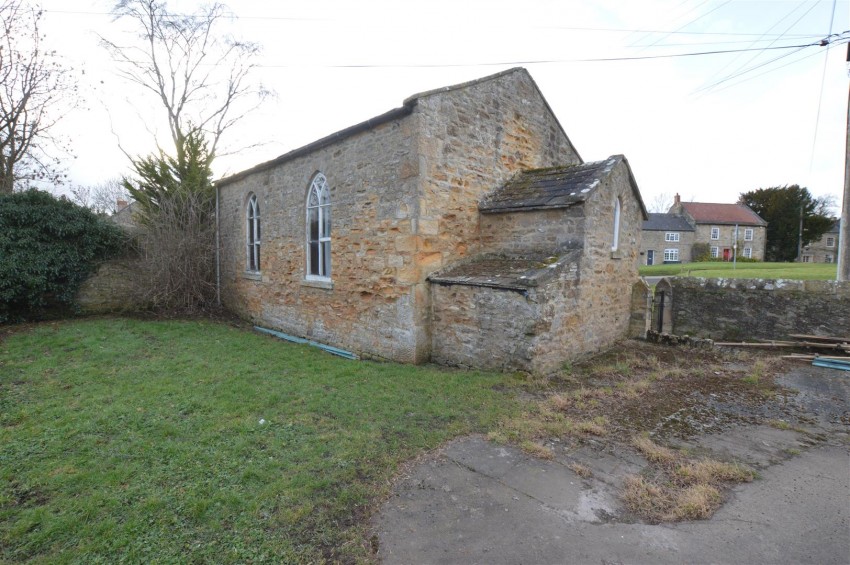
x,y
715,252
671,254
715,233
616,240
672,236
829,258
322,243
252,234
748,252
830,242
748,234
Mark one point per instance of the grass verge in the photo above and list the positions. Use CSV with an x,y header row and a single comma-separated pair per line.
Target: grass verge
x,y
126,440
720,269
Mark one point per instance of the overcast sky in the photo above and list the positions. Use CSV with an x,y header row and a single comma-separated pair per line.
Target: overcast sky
x,y
708,127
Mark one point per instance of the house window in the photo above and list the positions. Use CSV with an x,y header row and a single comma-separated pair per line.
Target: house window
x,y
748,234
715,252
748,252
830,242
807,258
671,236
715,233
671,255
319,229
828,258
616,240
252,234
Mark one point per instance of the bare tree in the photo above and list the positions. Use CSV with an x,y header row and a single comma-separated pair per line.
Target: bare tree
x,y
660,203
101,198
200,76
33,87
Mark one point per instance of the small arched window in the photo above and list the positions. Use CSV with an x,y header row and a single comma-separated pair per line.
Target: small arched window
x,y
319,229
252,234
616,240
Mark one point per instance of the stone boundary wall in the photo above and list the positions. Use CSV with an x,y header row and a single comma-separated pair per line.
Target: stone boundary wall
x,y
110,288
743,309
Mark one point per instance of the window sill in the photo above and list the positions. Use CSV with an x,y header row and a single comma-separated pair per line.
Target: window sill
x,y
252,275
326,284
616,254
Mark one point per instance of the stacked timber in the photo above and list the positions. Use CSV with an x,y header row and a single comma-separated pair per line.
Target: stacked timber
x,y
824,351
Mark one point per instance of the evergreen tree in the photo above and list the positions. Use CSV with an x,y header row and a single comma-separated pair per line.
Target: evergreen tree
x,y
780,207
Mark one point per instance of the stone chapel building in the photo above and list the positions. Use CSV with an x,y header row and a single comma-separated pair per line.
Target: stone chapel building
x,y
461,228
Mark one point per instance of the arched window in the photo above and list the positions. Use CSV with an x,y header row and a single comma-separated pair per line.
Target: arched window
x,y
252,234
319,229
616,241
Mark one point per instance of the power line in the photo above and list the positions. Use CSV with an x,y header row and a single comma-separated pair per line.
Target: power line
x,y
820,96
553,61
571,28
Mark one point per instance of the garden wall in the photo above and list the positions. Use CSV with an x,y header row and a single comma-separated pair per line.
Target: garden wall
x,y
109,289
742,309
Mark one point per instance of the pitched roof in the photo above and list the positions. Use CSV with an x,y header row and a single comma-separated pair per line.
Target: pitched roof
x,y
395,114
705,213
555,187
666,222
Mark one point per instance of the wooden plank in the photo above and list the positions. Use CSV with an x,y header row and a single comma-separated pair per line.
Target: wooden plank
x,y
820,338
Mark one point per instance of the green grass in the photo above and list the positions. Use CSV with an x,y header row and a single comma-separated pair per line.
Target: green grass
x,y
134,441
795,271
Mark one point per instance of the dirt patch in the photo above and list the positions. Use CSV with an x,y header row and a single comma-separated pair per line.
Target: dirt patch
x,y
655,401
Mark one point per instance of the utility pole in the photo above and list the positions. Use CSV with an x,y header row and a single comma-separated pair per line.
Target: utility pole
x,y
844,232
800,237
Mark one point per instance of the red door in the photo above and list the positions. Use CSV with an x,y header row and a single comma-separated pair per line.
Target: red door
x,y
727,254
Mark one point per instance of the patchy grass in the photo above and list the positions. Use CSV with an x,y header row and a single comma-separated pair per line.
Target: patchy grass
x,y
638,389
720,269
678,487
580,470
124,440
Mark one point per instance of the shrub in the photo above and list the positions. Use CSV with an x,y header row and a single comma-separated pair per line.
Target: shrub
x,y
48,247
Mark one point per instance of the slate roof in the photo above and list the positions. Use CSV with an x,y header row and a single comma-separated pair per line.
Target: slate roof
x,y
666,222
509,273
705,213
555,187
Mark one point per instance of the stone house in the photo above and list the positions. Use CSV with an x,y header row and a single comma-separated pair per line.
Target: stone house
x,y
722,230
667,238
462,227
825,250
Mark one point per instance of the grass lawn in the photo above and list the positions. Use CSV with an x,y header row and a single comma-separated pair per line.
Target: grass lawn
x,y
126,440
796,271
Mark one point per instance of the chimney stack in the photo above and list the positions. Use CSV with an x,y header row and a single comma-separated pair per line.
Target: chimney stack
x,y
121,204
677,200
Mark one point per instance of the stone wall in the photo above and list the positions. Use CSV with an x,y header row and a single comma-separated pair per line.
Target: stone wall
x,y
404,195
109,289
544,232
473,138
369,305
582,304
501,329
741,309
599,314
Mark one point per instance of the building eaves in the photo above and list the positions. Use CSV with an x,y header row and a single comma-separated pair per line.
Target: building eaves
x,y
406,109
394,114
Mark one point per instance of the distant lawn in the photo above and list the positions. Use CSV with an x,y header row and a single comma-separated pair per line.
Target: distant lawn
x,y
797,271
187,442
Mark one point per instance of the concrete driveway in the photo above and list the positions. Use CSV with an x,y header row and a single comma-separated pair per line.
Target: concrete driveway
x,y
478,502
